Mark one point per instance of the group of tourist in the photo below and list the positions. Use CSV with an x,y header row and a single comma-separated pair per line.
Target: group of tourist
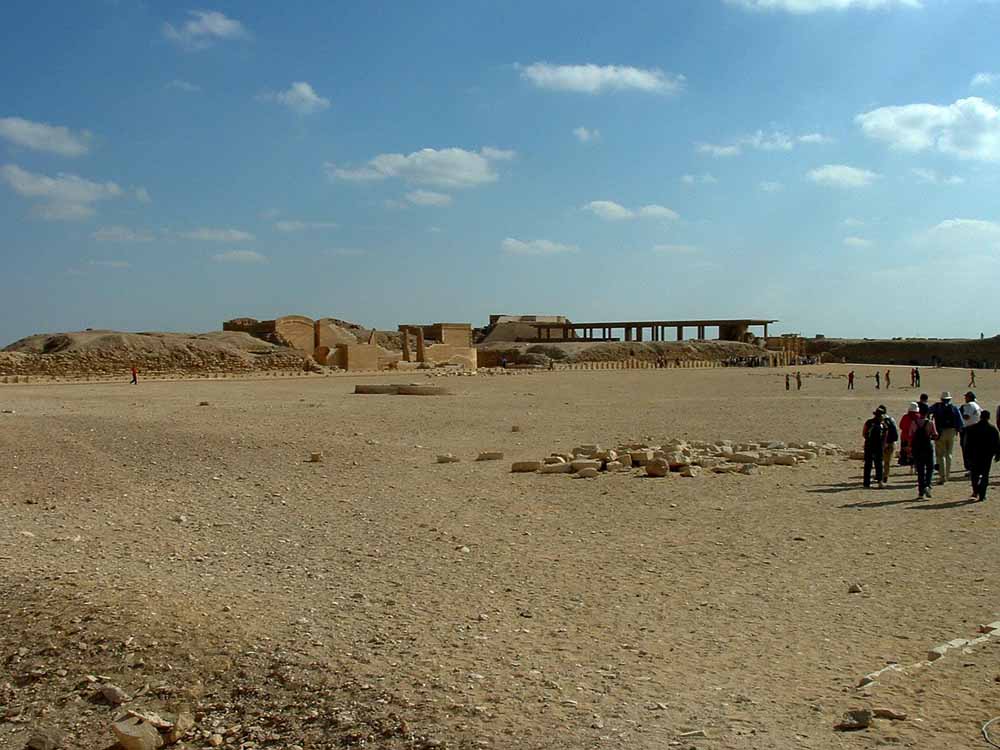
x,y
926,436
887,379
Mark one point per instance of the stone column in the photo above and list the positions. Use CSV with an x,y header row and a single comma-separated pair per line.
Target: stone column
x,y
701,332
638,332
628,333
420,344
406,343
680,333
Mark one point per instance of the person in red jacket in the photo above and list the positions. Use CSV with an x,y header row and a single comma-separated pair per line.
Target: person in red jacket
x,y
907,425
135,376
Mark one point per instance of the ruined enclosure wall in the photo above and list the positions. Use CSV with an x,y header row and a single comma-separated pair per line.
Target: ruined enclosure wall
x,y
357,357
445,354
297,332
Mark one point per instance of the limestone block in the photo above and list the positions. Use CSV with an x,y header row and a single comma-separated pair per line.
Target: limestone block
x,y
135,734
525,467
587,473
447,458
625,460
726,468
745,457
614,466
749,469
785,460
490,456
657,468
691,471
677,460
555,460
562,468
641,457
586,463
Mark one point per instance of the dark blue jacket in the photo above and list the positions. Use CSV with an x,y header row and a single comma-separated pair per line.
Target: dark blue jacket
x,y
946,415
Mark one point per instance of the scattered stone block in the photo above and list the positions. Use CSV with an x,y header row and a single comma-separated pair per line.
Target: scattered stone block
x,y
586,463
525,467
555,460
855,588
691,471
447,458
316,457
563,468
785,460
641,457
490,456
614,466
749,469
657,468
889,713
588,473
203,403
745,458
937,652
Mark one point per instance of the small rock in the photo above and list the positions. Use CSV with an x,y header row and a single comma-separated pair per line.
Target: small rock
x,y
183,724
215,740
937,652
524,467
588,473
855,719
855,588
113,694
203,403
585,463
561,468
515,428
316,457
135,734
691,471
749,469
45,739
490,456
889,713
447,458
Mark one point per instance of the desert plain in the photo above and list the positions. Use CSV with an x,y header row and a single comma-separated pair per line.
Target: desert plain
x,y
192,556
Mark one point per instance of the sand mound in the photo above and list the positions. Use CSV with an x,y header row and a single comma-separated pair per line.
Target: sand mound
x,y
113,352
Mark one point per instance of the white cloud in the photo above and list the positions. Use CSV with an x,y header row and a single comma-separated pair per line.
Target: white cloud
x,y
239,256
428,198
597,79
289,225
142,195
207,234
675,249
968,229
453,168
121,234
984,79
857,242
203,28
65,197
968,128
40,136
852,222
814,6
300,97
769,186
185,86
776,141
930,177
842,176
814,138
116,264
698,179
718,151
611,211
513,246
586,136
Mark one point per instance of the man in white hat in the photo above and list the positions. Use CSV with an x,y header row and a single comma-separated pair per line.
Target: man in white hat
x,y
948,421
970,412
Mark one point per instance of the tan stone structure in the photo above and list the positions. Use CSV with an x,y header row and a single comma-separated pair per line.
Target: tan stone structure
x,y
439,344
326,343
729,330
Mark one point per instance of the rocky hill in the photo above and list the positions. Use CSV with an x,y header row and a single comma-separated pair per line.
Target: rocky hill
x,y
918,352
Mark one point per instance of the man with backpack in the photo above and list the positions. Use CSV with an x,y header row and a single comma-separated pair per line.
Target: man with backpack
x,y
888,442
922,440
948,421
875,433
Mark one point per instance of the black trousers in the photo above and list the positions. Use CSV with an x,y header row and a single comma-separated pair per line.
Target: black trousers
x,y
980,476
925,472
873,459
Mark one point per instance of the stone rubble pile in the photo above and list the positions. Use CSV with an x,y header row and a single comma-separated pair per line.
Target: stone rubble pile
x,y
688,458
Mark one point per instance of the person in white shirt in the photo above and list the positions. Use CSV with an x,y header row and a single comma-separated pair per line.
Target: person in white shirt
x,y
970,415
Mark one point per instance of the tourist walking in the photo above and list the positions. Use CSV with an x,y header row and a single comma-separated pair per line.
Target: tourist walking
x,y
906,427
788,382
850,380
971,412
982,448
916,376
889,442
972,379
922,441
888,380
874,434
948,421
135,376
878,381
798,380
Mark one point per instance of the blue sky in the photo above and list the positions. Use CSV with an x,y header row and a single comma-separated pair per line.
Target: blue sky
x,y
831,163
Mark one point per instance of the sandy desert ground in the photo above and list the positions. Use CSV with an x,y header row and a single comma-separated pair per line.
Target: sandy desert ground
x,y
191,556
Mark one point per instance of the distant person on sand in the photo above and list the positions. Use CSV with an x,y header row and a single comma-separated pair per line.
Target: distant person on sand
x,y
948,421
788,382
878,380
135,376
972,379
888,380
922,441
850,380
874,434
798,380
916,376
982,448
889,443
